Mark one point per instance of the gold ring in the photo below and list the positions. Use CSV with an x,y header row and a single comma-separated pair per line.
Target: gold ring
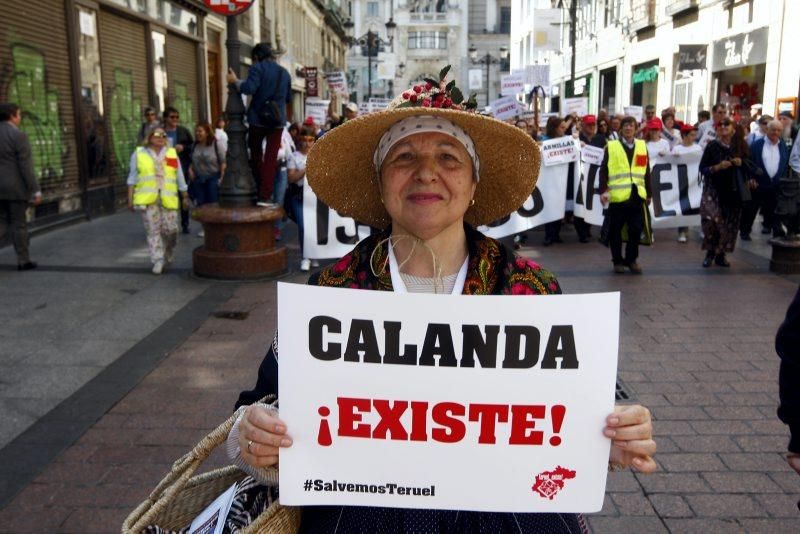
x,y
249,442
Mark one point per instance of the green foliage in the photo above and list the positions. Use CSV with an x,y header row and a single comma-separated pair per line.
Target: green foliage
x,y
456,95
443,72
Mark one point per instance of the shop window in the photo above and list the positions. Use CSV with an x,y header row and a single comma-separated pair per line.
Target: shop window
x,y
645,84
91,107
160,69
165,11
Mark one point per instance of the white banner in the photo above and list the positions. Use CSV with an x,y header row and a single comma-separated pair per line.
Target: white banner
x,y
512,84
561,150
318,110
675,183
475,79
578,105
637,112
505,108
514,430
546,204
587,203
326,234
337,82
538,75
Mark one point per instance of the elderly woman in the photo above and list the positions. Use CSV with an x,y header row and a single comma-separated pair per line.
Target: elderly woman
x,y
426,175
154,181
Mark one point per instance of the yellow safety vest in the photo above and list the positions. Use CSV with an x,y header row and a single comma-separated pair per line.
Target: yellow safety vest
x,y
621,174
146,190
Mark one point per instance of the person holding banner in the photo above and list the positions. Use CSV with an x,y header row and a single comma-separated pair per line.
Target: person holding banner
x,y
625,187
426,173
296,169
686,147
721,205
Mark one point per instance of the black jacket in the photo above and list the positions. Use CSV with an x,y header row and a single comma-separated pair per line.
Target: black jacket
x,y
787,345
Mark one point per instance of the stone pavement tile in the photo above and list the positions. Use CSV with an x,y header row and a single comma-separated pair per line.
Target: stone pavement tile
x,y
659,387
666,444
756,387
766,443
670,376
77,473
632,376
746,399
719,376
770,426
651,525
733,412
673,428
30,518
690,365
771,526
694,462
724,505
705,526
608,508
721,427
94,520
743,366
706,443
787,480
741,482
710,387
667,505
651,400
681,483
749,461
781,505
692,399
632,504
678,413
622,481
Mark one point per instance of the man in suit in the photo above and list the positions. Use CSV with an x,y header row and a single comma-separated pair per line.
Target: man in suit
x,y
18,186
771,155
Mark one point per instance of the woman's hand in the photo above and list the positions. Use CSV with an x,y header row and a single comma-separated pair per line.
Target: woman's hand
x,y
737,161
722,165
631,432
794,461
261,435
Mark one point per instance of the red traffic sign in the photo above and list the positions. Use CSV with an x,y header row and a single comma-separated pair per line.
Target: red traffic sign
x,y
229,7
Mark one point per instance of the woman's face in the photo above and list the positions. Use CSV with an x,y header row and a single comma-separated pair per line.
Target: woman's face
x,y
669,123
654,135
602,127
427,184
562,129
200,135
158,138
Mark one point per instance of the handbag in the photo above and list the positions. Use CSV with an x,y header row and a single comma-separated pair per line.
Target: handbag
x,y
270,113
180,496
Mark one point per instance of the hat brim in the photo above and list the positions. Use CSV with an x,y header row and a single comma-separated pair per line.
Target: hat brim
x,y
340,170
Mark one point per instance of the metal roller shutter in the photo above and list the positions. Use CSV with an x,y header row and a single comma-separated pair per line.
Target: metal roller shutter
x,y
35,73
182,73
123,55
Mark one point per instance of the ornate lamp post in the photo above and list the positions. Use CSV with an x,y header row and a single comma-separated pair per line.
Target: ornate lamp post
x,y
487,60
372,42
239,236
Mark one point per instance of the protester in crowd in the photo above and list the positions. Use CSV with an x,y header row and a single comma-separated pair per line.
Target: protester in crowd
x,y
789,127
702,116
625,188
288,147
294,131
670,131
721,204
615,124
759,130
154,182
413,173
554,128
756,111
602,115
296,167
649,114
181,140
657,146
533,129
220,135
270,87
150,122
207,168
521,124
350,113
770,155
18,186
787,345
685,148
707,129
603,128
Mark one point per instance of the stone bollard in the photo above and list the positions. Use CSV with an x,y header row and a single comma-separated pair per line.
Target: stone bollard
x,y
785,256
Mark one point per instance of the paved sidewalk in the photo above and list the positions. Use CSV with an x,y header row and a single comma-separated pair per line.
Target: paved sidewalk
x,y
697,348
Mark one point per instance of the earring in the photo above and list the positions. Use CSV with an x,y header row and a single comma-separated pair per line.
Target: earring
x,y
472,202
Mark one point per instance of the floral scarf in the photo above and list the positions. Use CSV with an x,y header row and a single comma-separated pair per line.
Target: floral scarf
x,y
492,269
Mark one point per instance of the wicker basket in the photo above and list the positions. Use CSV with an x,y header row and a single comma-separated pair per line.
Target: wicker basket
x,y
180,496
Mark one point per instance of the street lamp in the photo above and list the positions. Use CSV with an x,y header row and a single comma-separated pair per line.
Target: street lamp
x,y
487,60
372,41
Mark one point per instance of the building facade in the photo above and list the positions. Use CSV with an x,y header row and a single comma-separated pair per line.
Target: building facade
x,y
687,53
489,34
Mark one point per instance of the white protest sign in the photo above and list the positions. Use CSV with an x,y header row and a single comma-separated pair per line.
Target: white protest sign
x,y
512,84
475,79
578,105
546,204
378,104
592,154
587,203
326,234
337,83
637,112
317,110
538,75
675,183
361,392
505,108
363,108
561,150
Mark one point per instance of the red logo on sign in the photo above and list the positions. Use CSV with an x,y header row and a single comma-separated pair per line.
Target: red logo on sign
x,y
229,7
549,483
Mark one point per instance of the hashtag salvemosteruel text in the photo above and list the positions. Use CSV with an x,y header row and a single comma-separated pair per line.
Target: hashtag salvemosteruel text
x,y
351,487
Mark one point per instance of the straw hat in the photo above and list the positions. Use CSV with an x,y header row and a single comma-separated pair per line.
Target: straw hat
x,y
340,167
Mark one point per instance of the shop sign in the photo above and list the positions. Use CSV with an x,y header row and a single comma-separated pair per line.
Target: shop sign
x,y
741,50
649,74
312,89
229,7
692,57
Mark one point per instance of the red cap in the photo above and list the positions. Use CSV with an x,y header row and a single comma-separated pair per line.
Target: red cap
x,y
654,124
686,128
308,122
589,119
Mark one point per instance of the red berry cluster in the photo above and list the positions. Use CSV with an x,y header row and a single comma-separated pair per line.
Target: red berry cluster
x,y
438,99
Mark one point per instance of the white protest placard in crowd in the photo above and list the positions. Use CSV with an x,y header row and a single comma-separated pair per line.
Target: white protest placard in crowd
x,y
337,83
318,110
637,112
363,108
378,104
587,204
475,79
326,234
537,75
578,105
676,188
561,150
543,118
546,204
518,428
592,154
512,84
505,108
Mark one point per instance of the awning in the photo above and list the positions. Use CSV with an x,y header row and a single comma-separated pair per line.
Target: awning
x,y
649,74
